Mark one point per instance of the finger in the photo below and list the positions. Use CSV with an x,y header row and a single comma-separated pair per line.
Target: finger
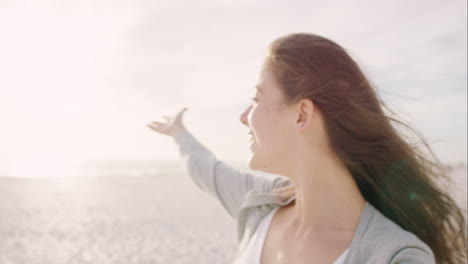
x,y
286,187
285,190
156,128
182,110
288,194
278,191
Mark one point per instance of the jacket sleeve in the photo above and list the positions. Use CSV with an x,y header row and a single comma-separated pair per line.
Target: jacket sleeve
x,y
225,183
413,255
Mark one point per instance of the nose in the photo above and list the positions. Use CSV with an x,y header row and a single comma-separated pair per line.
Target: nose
x,y
243,117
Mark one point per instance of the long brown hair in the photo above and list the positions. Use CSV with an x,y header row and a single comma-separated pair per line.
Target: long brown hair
x,y
392,173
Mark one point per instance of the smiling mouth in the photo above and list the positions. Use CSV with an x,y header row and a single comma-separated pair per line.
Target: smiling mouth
x,y
251,137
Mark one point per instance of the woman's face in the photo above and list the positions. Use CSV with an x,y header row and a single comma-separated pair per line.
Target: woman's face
x,y
270,123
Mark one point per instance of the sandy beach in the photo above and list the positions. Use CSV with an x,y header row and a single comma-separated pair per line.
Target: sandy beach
x,y
112,220
120,220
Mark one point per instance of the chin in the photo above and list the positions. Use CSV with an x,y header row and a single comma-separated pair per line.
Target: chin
x,y
255,164
251,162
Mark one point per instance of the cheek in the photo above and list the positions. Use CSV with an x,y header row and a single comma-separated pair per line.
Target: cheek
x,y
255,119
265,123
280,128
259,117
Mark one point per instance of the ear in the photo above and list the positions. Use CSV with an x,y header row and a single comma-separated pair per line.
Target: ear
x,y
305,111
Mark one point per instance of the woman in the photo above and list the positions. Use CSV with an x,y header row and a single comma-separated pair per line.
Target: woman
x,y
346,187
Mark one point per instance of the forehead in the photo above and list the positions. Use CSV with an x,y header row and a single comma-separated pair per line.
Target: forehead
x,y
266,83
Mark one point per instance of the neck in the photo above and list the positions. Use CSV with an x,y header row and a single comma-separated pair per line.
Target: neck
x,y
327,197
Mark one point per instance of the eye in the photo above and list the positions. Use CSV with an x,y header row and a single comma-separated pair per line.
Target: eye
x,y
254,99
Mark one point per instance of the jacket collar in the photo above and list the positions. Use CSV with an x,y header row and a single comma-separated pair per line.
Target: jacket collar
x,y
256,198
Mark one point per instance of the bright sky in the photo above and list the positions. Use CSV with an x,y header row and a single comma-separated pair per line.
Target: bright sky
x,y
81,79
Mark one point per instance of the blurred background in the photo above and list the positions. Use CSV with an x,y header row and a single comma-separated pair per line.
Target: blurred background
x,y
83,180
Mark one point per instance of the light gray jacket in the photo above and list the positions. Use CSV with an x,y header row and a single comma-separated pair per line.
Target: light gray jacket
x,y
248,197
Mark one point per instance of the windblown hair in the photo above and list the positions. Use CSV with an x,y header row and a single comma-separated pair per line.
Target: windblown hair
x,y
392,173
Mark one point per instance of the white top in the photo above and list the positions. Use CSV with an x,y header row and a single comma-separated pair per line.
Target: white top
x,y
253,251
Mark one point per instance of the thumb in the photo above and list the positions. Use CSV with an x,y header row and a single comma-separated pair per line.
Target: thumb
x,y
183,111
180,114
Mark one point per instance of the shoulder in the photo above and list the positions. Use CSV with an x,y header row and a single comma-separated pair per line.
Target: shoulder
x,y
265,183
258,202
383,241
398,246
413,255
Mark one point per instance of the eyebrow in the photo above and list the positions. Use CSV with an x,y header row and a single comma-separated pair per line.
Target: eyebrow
x,y
258,88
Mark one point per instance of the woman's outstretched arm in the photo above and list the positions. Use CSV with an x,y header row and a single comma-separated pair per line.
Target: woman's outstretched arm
x,y
225,183
212,175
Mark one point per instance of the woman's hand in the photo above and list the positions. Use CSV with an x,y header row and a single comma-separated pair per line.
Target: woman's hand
x,y
172,126
285,192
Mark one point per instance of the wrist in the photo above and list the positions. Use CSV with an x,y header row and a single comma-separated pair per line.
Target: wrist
x,y
178,132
